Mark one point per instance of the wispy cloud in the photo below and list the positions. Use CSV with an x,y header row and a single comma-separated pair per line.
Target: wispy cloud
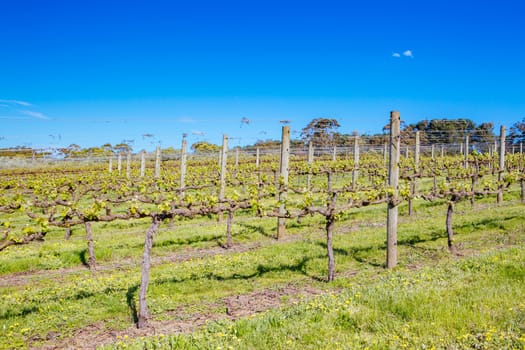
x,y
408,53
396,55
198,133
16,102
33,114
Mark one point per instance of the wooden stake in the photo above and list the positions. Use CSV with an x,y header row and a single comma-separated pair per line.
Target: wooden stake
x,y
310,162
143,313
142,163
183,156
355,172
393,176
283,179
157,162
501,169
223,161
467,139
119,163
128,165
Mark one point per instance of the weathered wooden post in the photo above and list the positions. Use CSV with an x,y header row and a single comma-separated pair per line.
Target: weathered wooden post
x,y
110,163
355,172
183,157
257,158
501,169
393,180
417,148
385,154
119,163
142,163
223,161
92,261
310,160
520,159
467,139
283,180
143,312
157,162
128,165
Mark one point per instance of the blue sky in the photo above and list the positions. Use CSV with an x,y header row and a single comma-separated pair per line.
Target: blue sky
x,y
92,72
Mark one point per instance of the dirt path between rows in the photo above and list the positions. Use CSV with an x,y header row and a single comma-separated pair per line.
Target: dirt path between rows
x,y
183,320
22,278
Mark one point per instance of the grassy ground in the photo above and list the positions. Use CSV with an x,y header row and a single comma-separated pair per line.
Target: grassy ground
x,y
433,299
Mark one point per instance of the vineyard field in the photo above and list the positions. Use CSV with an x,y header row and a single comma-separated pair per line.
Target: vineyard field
x,y
194,259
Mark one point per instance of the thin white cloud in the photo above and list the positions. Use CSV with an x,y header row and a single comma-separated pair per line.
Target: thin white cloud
x,y
198,133
408,53
33,114
16,102
396,55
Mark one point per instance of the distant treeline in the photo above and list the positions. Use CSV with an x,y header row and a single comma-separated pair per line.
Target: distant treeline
x,y
322,132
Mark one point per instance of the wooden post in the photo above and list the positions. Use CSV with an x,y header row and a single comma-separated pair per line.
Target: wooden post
x,y
119,163
310,162
330,226
183,157
110,164
334,154
142,163
237,150
442,151
157,162
128,165
92,261
257,158
417,148
223,158
501,169
355,172
432,151
467,139
283,179
393,176
385,152
143,313
417,151
520,159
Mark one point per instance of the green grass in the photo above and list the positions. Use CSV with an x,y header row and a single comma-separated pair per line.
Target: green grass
x,y
433,298
476,303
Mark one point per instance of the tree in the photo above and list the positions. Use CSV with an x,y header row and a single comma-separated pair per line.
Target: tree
x,y
517,132
321,131
204,147
123,147
484,132
71,151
